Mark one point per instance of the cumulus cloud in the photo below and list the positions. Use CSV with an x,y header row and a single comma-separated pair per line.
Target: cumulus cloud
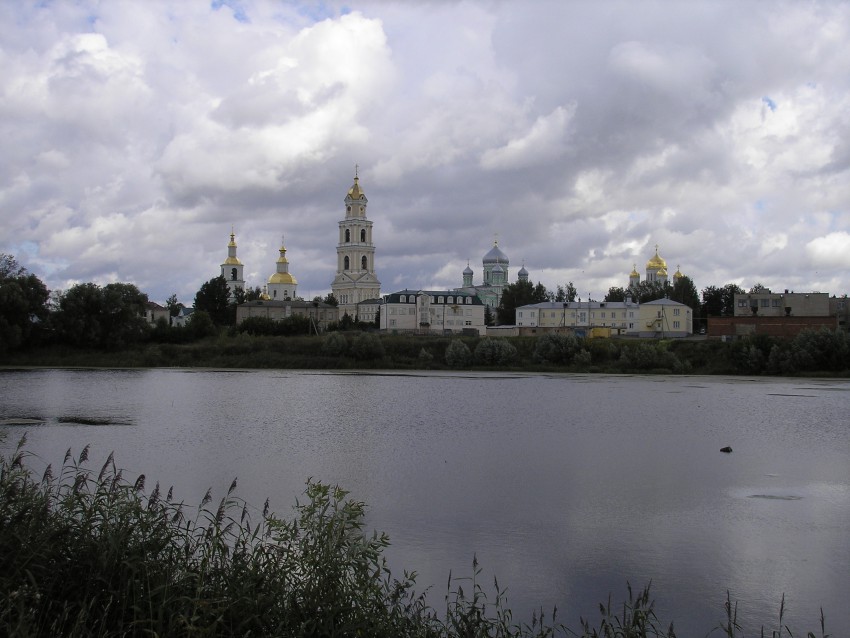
x,y
136,134
830,251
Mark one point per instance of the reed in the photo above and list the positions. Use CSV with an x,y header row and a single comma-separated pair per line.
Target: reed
x,y
85,553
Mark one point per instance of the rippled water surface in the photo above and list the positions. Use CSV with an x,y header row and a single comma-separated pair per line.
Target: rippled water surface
x,y
565,487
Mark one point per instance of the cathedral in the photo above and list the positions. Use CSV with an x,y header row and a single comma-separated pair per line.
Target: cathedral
x,y
656,271
355,279
495,266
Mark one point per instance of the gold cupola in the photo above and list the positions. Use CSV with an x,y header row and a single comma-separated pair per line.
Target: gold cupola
x,y
656,262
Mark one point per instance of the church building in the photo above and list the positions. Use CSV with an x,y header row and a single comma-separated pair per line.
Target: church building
x,y
282,285
656,271
495,266
232,268
355,279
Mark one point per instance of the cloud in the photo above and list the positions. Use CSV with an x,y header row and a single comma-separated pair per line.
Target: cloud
x,y
135,135
543,142
830,251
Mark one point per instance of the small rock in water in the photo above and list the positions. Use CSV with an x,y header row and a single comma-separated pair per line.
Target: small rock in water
x,y
726,449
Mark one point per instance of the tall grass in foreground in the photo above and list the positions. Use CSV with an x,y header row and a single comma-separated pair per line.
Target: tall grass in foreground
x,y
91,554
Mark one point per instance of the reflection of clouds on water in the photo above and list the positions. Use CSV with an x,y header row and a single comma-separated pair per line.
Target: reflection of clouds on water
x,y
564,486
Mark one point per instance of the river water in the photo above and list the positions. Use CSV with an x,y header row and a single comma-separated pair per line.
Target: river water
x,y
565,487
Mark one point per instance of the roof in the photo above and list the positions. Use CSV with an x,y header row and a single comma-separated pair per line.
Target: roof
x,y
495,255
454,294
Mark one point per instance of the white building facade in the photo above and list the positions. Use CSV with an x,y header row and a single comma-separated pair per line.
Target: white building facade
x,y
432,312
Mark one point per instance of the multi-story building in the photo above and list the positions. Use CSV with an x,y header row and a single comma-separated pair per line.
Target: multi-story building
x,y
432,312
660,318
665,318
574,316
790,304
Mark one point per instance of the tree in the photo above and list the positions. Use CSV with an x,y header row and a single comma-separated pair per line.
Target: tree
x,y
488,316
330,300
685,292
109,317
720,302
759,288
515,295
565,293
23,304
616,293
173,305
378,318
213,297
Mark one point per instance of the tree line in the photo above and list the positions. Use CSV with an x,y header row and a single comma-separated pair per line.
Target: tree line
x,y
112,316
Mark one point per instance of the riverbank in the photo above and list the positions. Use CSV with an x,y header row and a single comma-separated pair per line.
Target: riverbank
x,y
340,351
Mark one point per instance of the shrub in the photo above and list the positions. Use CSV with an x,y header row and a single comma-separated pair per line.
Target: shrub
x,y
335,344
494,352
458,355
556,348
425,358
366,347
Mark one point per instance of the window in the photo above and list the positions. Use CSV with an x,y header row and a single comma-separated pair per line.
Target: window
x,y
631,314
363,263
392,322
403,299
392,311
467,323
520,314
603,316
765,303
675,324
411,311
441,299
363,235
451,299
742,303
675,312
345,264
233,274
777,303
347,235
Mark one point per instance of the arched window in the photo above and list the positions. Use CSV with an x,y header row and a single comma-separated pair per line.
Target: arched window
x,y
347,235
363,263
345,264
233,274
363,235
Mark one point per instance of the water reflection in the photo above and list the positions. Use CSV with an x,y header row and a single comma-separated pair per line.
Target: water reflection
x,y
566,487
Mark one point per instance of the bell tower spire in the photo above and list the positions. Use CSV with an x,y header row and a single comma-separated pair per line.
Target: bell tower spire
x,y
355,279
232,268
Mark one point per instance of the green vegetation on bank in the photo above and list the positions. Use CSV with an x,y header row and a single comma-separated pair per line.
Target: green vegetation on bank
x,y
810,353
92,554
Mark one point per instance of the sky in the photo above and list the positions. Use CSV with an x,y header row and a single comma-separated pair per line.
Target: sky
x,y
135,135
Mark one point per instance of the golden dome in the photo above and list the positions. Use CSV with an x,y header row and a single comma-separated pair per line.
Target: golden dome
x,y
656,262
354,192
634,272
282,278
662,272
232,261
678,274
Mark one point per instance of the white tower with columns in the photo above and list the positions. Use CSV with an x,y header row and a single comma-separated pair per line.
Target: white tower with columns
x,y
355,279
232,268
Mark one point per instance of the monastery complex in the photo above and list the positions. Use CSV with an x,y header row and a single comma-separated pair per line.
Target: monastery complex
x,y
357,289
